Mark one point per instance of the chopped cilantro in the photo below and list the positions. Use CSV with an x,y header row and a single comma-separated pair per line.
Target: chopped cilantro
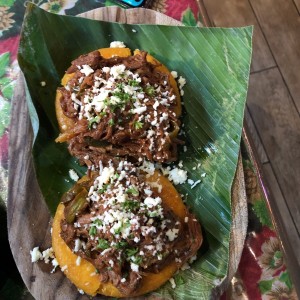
x,y
149,90
138,125
103,114
133,82
130,205
133,191
98,222
118,230
117,175
93,121
104,189
102,244
131,251
137,259
111,122
121,244
152,214
120,86
125,97
93,231
109,268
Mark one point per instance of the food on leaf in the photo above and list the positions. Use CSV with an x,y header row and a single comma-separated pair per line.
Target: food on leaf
x,y
113,104
130,229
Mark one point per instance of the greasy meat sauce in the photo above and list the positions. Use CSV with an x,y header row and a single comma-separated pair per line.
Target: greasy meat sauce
x,y
118,222
121,106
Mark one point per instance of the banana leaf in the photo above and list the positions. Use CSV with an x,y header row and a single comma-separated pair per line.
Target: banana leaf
x,y
215,63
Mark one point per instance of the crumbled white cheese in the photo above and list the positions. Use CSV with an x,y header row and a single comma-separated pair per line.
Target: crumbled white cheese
x,y
78,261
151,202
117,44
191,181
47,254
54,264
174,74
81,291
178,176
192,259
133,30
73,175
123,280
86,70
172,234
77,245
181,82
117,70
195,183
148,167
173,284
134,267
186,219
35,254
185,266
43,83
111,262
64,268
106,69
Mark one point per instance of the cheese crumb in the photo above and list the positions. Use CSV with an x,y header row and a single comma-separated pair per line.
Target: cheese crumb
x,y
64,268
81,291
123,280
35,254
178,176
174,74
73,175
134,267
195,183
117,44
172,234
181,82
173,284
43,83
54,264
47,254
78,261
86,70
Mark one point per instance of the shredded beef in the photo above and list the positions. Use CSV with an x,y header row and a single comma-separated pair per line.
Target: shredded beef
x,y
92,59
112,263
118,127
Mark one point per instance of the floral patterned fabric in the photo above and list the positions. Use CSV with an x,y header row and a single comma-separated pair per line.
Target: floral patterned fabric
x,y
262,273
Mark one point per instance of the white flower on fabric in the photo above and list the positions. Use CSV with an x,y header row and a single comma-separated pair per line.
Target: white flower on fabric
x,y
58,6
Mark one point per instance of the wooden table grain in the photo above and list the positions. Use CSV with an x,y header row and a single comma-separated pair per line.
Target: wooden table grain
x,y
273,104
